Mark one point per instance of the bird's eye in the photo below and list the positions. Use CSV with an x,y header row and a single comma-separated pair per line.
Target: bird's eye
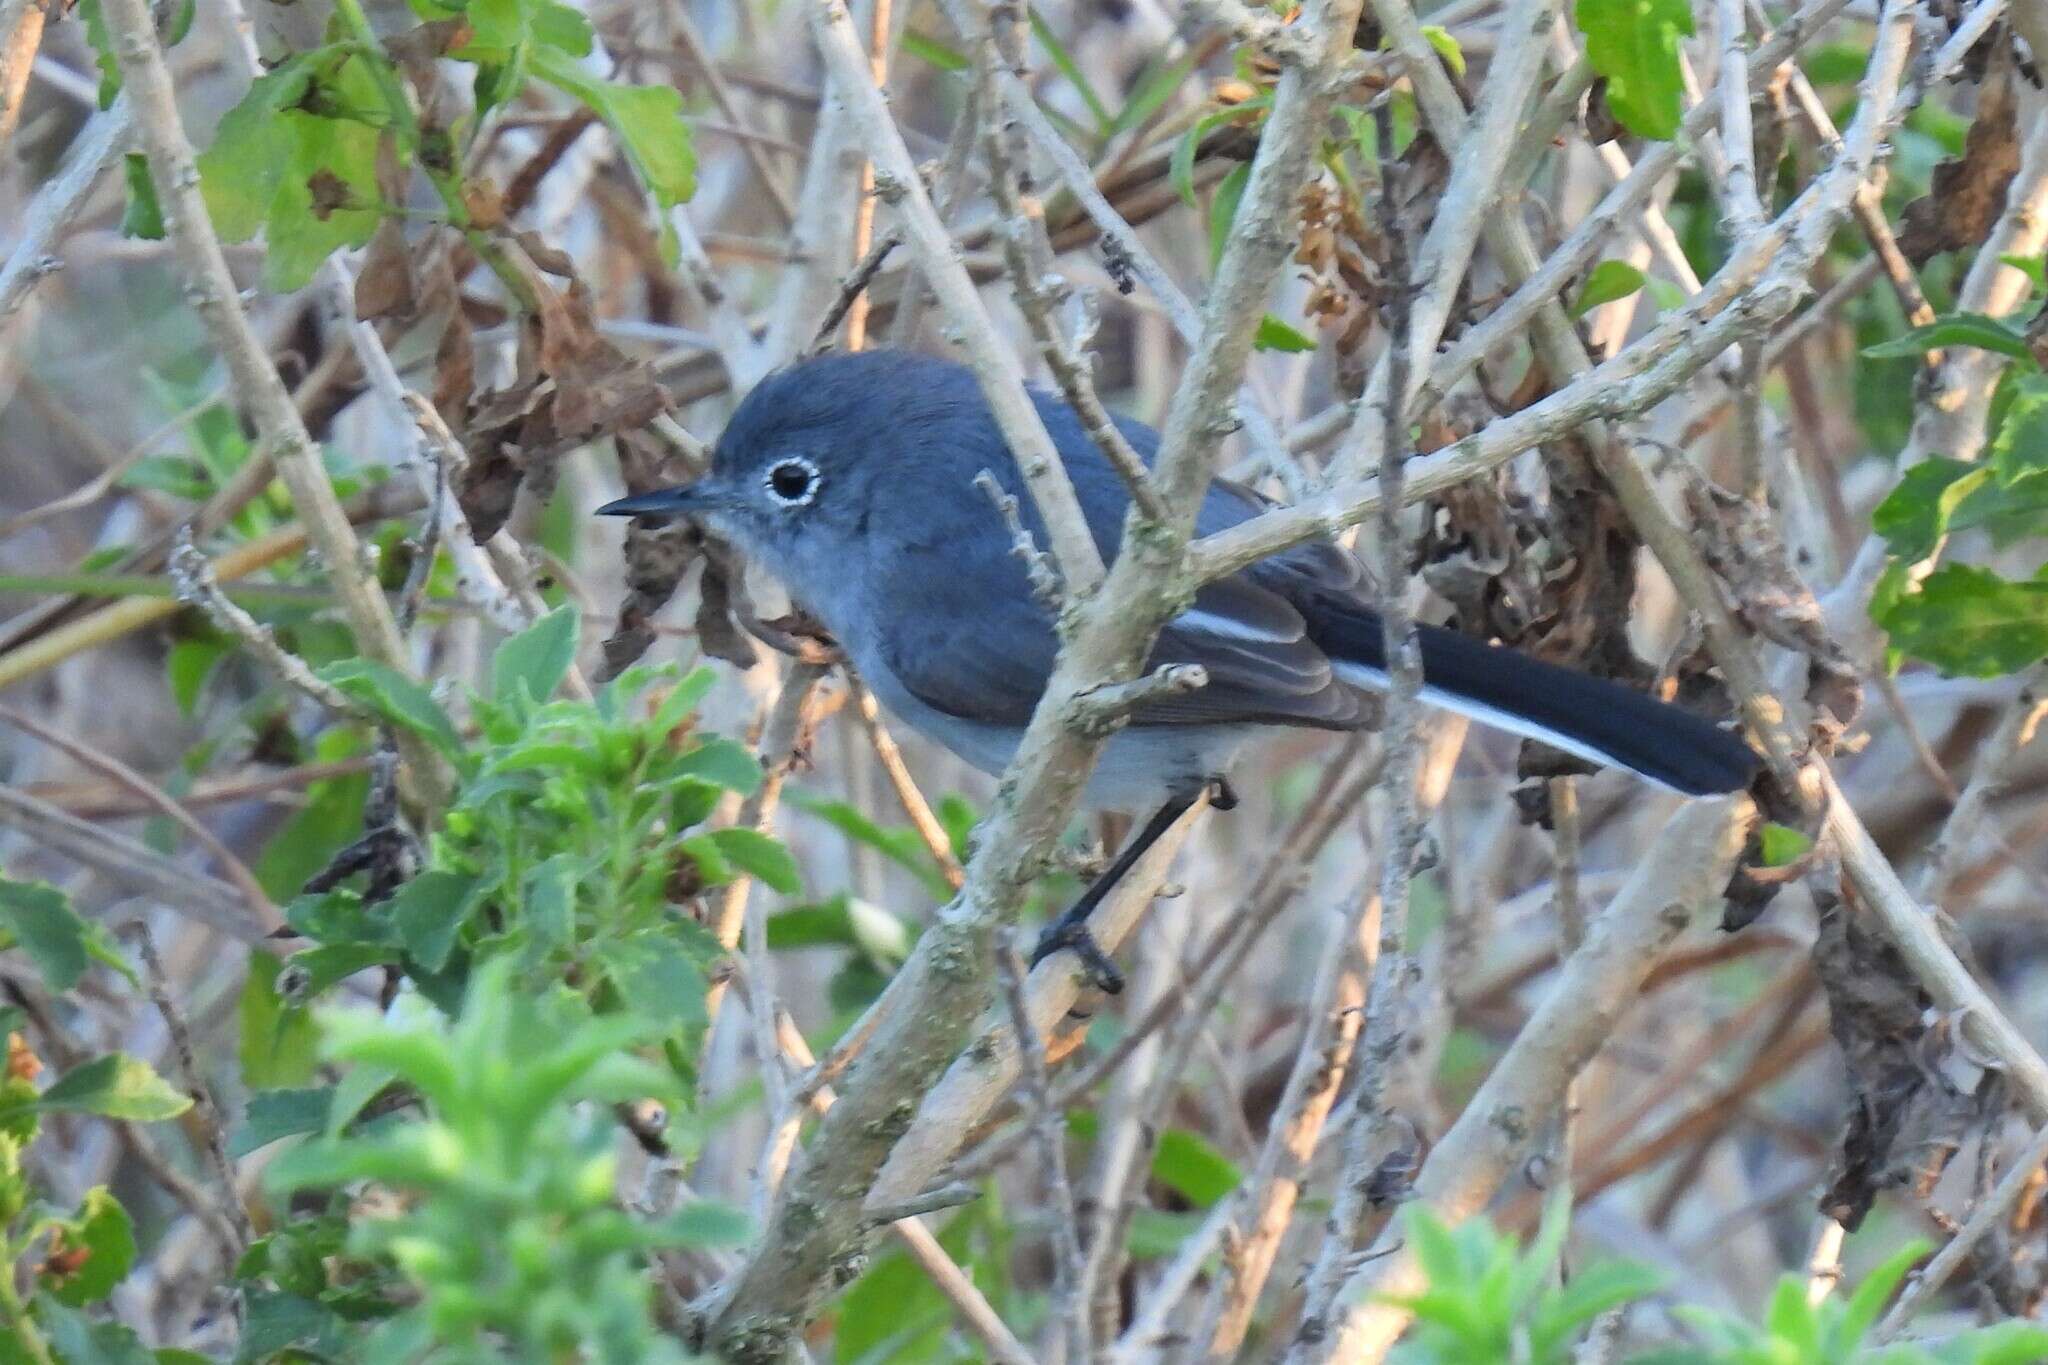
x,y
793,482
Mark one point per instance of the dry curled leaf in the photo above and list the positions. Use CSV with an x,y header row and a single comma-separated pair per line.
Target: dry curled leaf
x,y
1966,194
384,286
1907,1115
1741,543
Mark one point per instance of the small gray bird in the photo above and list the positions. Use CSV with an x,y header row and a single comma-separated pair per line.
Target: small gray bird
x,y
851,478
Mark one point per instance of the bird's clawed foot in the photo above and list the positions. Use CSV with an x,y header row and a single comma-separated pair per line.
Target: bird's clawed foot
x,y
1070,931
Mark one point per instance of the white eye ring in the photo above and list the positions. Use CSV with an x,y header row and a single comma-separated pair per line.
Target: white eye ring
x,y
781,481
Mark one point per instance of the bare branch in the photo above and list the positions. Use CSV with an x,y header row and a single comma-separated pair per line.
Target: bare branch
x,y
211,291
1684,870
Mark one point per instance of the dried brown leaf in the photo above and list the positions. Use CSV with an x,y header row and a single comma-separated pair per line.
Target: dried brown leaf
x,y
384,286
1966,194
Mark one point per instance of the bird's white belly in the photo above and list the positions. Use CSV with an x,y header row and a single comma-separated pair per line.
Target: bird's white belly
x,y
1138,768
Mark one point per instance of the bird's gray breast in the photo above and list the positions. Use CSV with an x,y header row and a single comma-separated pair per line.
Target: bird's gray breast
x,y
1138,767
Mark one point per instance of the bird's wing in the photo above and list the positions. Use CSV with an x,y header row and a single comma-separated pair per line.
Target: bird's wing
x,y
969,640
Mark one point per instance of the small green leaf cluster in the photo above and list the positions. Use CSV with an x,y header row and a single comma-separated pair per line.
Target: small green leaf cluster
x,y
322,147
510,1240
572,836
1488,1299
1797,1331
1967,619
1634,45
57,1264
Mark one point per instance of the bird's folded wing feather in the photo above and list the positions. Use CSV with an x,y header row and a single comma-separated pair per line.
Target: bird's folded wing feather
x,y
976,646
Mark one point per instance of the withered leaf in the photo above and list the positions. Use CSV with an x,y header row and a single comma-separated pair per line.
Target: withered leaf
x,y
484,205
1907,1117
454,367
552,259
487,488
417,49
330,193
1966,194
384,287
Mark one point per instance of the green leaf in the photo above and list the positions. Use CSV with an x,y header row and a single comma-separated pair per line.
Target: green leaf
x,y
765,857
681,701
560,26
723,763
144,216
429,910
1608,281
1915,516
648,120
240,173
188,666
1591,1291
1783,845
1446,47
44,925
396,698
1151,91
711,862
116,1086
278,1043
276,1114
2030,266
103,1231
326,966
539,657
1955,329
101,40
703,1223
275,1322
2013,1342
901,846
1436,1249
1193,1167
2021,446
959,817
78,1340
843,921
498,25
1860,1314
656,977
550,900
1180,166
1970,622
1634,44
1791,1319
1071,69
1223,209
301,232
934,53
1275,335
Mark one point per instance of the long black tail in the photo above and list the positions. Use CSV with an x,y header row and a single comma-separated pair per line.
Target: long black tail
x,y
1600,721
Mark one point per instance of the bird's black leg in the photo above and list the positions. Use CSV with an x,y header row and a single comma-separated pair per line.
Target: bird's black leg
x,y
1071,929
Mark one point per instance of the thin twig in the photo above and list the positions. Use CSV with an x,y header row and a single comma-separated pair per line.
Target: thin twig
x,y
212,292
206,1109
1742,208
890,757
1070,1306
1686,866
198,586
107,765
1989,1212
131,864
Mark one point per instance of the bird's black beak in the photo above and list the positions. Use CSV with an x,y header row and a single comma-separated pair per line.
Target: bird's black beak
x,y
663,502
